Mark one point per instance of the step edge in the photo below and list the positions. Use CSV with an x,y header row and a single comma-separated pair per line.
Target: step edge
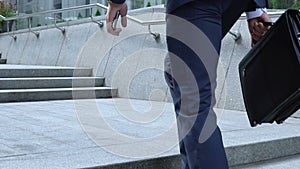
x,y
56,89
176,159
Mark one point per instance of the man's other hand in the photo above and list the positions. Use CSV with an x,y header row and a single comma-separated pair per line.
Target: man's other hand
x,y
110,16
256,27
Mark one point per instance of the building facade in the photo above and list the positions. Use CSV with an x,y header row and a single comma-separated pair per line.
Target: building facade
x,y
33,6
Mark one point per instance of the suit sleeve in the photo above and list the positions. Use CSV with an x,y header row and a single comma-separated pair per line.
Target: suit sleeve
x,y
253,4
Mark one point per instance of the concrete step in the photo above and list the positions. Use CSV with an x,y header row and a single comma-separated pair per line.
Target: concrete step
x,y
21,95
50,82
245,146
289,162
239,157
16,71
262,150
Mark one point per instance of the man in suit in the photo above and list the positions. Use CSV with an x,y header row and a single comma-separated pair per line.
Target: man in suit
x,y
195,29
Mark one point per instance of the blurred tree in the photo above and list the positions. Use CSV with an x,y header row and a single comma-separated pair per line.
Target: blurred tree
x,y
281,4
296,4
98,13
148,4
79,16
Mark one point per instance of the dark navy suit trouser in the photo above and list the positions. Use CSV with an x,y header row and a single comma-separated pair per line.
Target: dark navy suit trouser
x,y
214,19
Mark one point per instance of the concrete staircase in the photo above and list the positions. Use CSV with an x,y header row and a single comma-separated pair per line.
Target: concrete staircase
x,y
39,83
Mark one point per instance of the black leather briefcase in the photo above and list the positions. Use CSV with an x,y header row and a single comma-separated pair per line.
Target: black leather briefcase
x,y
270,72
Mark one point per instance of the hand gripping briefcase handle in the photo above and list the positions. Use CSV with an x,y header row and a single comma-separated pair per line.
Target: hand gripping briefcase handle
x,y
270,72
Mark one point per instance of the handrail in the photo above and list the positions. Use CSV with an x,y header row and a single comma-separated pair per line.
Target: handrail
x,y
74,8
143,23
82,7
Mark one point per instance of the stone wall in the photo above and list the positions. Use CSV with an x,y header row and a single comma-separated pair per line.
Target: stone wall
x,y
132,62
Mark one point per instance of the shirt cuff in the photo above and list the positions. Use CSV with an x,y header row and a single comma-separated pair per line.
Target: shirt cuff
x,y
257,13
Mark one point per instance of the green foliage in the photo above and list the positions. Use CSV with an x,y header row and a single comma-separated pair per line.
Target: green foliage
x,y
38,25
98,13
148,4
7,9
281,4
296,5
60,20
79,16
